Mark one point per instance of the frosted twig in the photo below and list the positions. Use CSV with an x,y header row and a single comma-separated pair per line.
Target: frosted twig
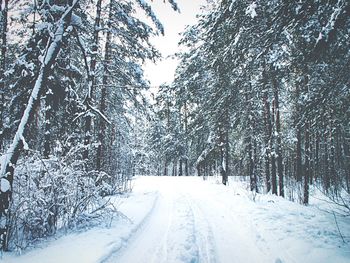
x,y
336,222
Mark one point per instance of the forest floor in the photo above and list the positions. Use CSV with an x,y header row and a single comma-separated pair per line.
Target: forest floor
x,y
186,219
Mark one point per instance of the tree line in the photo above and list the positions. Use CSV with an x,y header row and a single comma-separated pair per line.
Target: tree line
x,y
262,91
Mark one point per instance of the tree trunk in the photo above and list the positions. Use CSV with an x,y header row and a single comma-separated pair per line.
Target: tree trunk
x,y
268,131
175,167
3,50
180,167
249,141
278,144
317,156
307,163
226,157
91,81
251,164
186,137
223,171
298,161
224,148
165,171
255,167
198,170
273,156
347,162
12,154
333,173
298,157
311,158
103,98
47,126
326,169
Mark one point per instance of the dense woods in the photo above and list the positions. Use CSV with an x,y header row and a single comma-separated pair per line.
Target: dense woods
x,y
261,91
71,97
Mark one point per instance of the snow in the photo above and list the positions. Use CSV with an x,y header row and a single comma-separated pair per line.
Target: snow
x,y
76,21
53,47
25,144
186,219
145,6
331,23
57,9
231,5
251,10
237,37
4,185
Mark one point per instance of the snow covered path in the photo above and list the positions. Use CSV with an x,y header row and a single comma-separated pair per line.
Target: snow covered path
x,y
175,231
186,219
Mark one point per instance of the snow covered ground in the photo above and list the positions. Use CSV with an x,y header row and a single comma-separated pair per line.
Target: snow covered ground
x,y
186,219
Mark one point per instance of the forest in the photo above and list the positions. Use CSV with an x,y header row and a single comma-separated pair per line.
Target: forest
x,y
261,92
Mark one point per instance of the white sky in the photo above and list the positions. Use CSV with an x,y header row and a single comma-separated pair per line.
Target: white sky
x,y
174,23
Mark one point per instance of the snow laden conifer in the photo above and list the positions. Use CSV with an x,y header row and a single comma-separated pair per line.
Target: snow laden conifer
x,y
275,70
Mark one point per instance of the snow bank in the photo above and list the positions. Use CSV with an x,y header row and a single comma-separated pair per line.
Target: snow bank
x,y
186,219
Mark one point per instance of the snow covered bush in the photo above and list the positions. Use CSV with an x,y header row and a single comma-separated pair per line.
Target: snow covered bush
x,y
51,195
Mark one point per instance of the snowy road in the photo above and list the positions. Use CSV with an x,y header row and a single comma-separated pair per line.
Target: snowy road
x,y
196,221
176,230
188,220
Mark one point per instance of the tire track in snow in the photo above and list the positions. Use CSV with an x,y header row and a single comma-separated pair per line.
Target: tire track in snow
x,y
205,237
234,243
119,246
181,242
184,226
167,234
162,253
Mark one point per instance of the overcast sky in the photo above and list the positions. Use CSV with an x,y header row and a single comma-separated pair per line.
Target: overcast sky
x,y
174,23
